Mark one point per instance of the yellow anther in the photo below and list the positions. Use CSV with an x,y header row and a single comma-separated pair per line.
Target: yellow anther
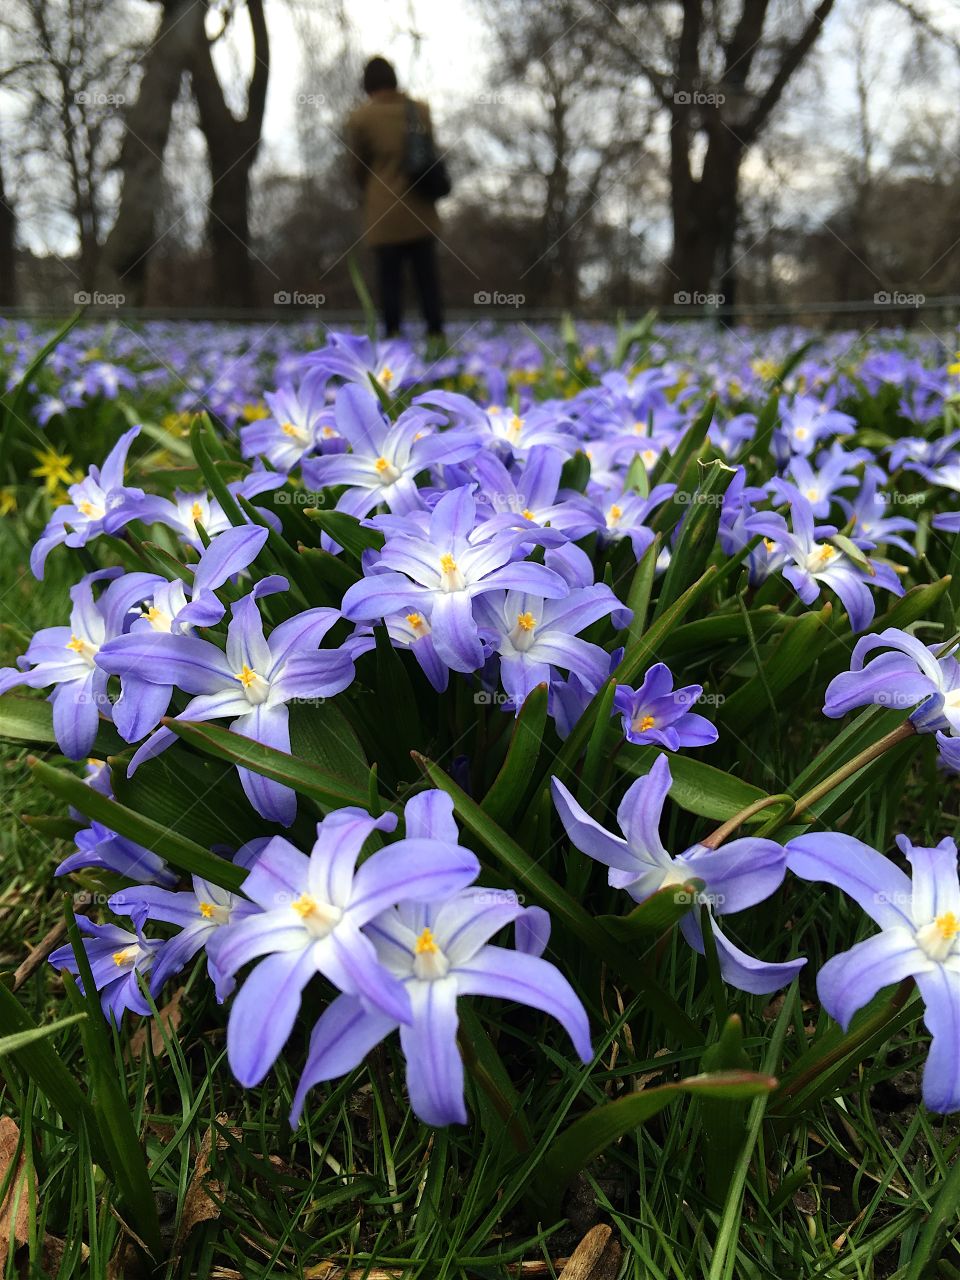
x,y
415,621
305,905
125,956
616,512
647,723
826,553
86,507
948,925
526,621
327,432
381,464
516,424
246,676
154,614
447,563
289,429
527,514
801,433
196,512
76,644
425,944
813,495
386,376
770,545
206,910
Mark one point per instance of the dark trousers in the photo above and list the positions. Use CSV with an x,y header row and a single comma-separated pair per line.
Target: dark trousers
x,y
422,256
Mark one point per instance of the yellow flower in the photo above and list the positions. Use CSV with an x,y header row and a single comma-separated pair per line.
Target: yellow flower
x,y
54,469
251,412
8,501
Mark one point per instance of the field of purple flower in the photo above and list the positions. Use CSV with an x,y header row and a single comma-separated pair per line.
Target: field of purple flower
x,y
333,674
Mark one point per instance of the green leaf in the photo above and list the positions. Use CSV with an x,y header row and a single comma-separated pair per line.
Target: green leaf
x,y
30,720
21,1039
698,534
44,1066
672,463
597,753
327,787
655,915
513,781
641,588
592,1133
178,850
724,1122
347,531
701,788
759,446
321,734
11,404
128,1163
795,652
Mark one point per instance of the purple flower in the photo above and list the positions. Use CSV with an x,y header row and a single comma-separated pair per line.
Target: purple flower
x,y
438,951
440,570
910,673
117,958
735,876
533,636
199,913
67,657
98,846
312,911
249,684
817,564
805,423
656,712
868,511
355,359
919,938
385,457
99,503
185,511
298,420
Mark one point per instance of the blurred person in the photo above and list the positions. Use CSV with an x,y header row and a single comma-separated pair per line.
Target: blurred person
x,y
401,220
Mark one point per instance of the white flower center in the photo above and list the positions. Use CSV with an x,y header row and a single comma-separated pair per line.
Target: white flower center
x,y
319,918
523,634
387,473
451,578
84,648
255,688
429,962
938,938
159,620
820,557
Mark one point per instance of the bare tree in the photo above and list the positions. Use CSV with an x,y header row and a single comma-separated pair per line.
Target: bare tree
x,y
232,144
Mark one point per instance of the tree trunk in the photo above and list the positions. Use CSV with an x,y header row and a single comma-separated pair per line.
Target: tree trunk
x,y
133,237
232,147
8,249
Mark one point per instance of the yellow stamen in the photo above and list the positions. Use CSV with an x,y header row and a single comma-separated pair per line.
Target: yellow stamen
x,y
196,512
826,553
154,614
206,910
527,514
415,621
425,944
125,956
447,563
386,376
948,925
801,433
526,621
289,429
305,905
616,512
76,644
813,495
246,676
647,723
87,508
381,464
770,545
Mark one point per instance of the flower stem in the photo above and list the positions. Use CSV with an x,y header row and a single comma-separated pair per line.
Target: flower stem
x,y
865,757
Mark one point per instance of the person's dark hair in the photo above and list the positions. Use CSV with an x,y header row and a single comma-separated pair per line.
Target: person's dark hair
x,y
378,74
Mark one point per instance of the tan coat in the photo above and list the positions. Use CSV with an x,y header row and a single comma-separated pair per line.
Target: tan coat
x,y
376,134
